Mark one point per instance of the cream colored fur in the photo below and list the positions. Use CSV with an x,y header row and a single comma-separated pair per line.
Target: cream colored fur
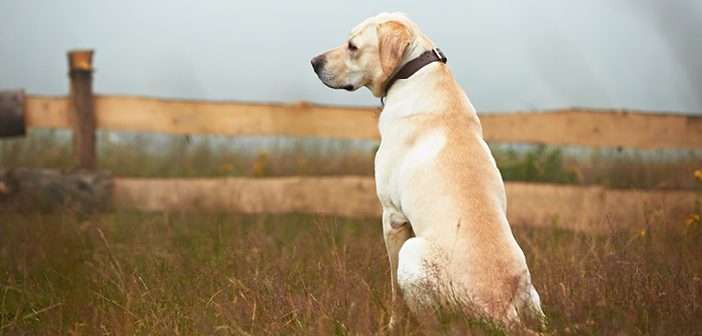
x,y
446,232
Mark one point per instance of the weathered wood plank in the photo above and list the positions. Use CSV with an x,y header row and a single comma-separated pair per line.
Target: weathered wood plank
x,y
595,209
588,209
579,127
595,128
191,117
195,117
346,196
46,112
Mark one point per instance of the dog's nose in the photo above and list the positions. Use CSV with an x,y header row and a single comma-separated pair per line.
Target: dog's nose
x,y
317,63
315,60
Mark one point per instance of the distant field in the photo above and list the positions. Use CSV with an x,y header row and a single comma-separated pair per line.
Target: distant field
x,y
142,155
209,274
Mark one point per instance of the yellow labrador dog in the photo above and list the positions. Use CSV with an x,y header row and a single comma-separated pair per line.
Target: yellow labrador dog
x,y
443,198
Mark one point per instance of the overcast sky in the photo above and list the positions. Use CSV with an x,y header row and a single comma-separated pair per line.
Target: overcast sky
x,y
509,55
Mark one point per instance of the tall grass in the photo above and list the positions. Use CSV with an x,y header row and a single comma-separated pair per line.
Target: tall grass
x,y
214,274
142,155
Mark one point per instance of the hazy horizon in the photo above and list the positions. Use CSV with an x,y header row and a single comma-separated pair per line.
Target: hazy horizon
x,y
508,55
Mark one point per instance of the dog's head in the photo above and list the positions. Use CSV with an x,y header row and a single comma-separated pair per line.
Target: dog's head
x,y
374,51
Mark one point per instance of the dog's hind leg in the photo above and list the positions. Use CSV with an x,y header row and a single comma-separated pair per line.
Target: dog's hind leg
x,y
419,274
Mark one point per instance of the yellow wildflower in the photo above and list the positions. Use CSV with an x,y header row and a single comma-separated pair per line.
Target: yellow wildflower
x,y
258,169
262,154
692,219
698,175
261,166
227,167
302,162
641,233
356,154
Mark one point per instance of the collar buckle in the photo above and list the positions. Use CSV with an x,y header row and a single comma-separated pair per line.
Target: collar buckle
x,y
440,55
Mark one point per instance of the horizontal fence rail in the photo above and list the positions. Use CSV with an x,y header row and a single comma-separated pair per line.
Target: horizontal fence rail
x,y
578,127
580,208
198,117
586,209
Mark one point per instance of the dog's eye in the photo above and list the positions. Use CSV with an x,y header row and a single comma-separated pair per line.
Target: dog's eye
x,y
352,47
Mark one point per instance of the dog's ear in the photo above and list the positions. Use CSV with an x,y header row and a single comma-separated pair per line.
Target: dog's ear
x,y
393,39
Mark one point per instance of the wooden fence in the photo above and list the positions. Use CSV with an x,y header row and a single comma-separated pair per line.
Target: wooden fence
x,y
572,126
569,206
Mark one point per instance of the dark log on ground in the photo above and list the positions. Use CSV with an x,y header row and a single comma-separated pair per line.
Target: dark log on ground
x,y
12,113
52,190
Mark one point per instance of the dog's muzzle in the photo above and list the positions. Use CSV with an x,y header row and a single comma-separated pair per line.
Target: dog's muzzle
x,y
318,63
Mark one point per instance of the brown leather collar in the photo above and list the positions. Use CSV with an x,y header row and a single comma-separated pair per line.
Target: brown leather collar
x,y
414,65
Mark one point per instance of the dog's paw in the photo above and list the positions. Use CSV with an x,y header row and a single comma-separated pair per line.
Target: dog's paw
x,y
392,327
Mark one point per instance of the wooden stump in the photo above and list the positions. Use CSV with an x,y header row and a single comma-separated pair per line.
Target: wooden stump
x,y
52,190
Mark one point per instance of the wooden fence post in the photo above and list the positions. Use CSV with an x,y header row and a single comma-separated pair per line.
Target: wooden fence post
x,y
82,108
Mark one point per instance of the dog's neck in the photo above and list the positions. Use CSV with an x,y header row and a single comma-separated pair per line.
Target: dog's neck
x,y
411,91
415,64
416,48
432,90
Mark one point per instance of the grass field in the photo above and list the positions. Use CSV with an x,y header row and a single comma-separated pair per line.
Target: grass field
x,y
210,274
130,273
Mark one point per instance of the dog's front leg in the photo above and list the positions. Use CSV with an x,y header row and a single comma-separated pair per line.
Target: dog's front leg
x,y
396,231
